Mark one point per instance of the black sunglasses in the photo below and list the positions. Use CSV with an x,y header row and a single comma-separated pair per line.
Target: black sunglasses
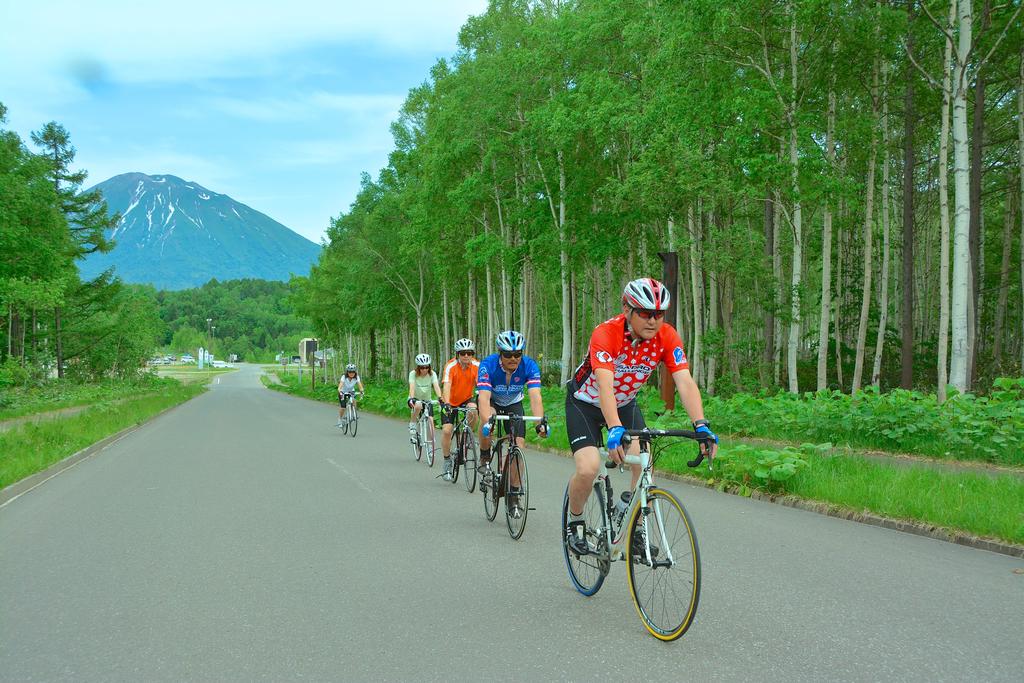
x,y
647,315
467,353
422,367
511,354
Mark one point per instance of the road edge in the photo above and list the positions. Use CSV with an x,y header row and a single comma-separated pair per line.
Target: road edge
x,y
19,488
938,533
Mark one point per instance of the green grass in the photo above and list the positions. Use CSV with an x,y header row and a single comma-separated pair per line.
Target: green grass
x,y
57,394
32,447
980,504
991,506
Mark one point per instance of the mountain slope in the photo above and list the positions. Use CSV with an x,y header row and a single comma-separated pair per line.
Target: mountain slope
x,y
176,234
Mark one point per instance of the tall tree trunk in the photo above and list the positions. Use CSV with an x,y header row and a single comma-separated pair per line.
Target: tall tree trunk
x,y
909,119
976,161
474,332
798,239
712,360
563,258
837,301
696,285
826,245
58,338
779,300
961,289
373,352
1004,281
444,316
1020,204
768,355
865,302
947,96
883,304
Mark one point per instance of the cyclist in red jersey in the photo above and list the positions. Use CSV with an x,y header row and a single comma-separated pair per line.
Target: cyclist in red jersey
x,y
622,356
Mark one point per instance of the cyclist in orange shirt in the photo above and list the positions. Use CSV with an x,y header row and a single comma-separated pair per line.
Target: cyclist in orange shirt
x,y
458,386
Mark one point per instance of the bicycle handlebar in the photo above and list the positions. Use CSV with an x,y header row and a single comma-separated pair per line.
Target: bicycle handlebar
x,y
649,434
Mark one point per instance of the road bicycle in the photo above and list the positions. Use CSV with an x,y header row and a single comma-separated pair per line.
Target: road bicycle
x,y
494,485
465,449
423,440
350,422
654,535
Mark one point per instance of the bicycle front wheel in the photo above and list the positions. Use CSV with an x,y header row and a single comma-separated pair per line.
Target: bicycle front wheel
x,y
516,506
494,483
469,460
428,442
417,443
353,420
665,588
587,572
456,457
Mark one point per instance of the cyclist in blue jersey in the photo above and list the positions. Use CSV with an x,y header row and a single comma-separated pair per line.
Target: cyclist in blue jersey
x,y
500,384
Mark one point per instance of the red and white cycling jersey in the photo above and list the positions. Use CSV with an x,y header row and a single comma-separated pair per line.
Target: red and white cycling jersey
x,y
611,347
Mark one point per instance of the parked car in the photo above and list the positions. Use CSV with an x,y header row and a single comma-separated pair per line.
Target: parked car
x,y
187,358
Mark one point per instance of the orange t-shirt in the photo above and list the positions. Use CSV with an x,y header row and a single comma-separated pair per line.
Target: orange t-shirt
x,y
463,381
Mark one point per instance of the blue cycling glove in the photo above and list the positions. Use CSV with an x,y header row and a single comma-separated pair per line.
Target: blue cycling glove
x,y
615,437
704,432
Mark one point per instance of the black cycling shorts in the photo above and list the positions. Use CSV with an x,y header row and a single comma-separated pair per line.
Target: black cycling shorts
x,y
448,413
517,428
343,399
584,421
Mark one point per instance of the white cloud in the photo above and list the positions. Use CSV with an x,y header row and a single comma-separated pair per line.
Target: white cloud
x,y
309,106
212,174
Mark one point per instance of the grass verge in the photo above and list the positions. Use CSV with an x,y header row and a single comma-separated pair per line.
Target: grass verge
x,y
32,447
57,394
980,504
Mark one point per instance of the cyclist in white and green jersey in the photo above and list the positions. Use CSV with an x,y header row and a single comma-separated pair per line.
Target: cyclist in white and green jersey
x,y
421,381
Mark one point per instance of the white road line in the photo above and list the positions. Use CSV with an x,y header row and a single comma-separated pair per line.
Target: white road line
x,y
351,476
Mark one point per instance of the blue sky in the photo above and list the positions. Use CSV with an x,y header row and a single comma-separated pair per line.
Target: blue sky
x,y
280,105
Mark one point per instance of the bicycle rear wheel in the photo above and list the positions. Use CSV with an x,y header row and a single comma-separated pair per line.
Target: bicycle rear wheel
x,y
516,507
344,423
665,591
353,421
587,572
469,460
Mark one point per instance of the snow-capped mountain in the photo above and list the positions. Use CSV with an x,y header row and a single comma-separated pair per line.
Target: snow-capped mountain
x,y
176,234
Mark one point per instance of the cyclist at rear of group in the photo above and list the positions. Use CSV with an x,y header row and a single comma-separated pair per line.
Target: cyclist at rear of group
x,y
421,381
502,378
622,356
458,386
347,386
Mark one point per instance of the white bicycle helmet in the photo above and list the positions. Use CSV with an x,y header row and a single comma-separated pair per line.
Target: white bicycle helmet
x,y
646,293
464,345
351,367
510,340
423,359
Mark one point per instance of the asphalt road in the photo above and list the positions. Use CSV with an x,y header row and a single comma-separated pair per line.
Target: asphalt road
x,y
242,537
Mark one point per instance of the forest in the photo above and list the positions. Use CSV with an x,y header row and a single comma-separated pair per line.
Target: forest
x,y
54,323
250,318
841,182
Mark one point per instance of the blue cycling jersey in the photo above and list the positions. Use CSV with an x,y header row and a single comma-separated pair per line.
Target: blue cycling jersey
x,y
504,390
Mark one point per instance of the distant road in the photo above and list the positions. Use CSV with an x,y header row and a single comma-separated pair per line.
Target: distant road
x,y
242,537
